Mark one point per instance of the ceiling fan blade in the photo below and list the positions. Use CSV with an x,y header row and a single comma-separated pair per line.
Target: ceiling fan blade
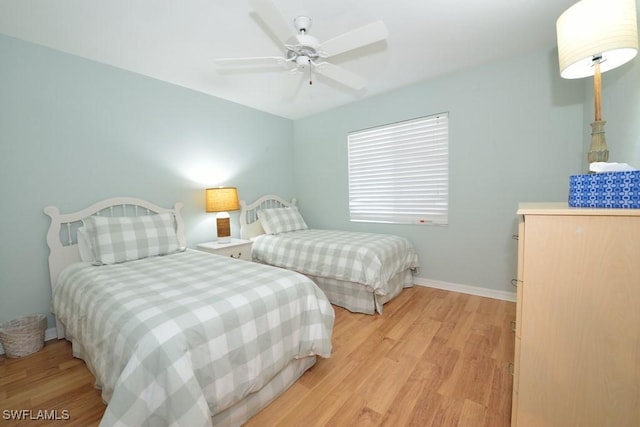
x,y
362,36
250,61
340,75
273,18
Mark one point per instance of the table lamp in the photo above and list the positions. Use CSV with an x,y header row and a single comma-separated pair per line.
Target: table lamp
x,y
595,36
222,200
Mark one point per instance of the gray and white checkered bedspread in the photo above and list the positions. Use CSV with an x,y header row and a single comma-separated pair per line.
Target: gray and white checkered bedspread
x,y
174,339
367,258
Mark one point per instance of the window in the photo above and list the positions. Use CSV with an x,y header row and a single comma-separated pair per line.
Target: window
x,y
399,173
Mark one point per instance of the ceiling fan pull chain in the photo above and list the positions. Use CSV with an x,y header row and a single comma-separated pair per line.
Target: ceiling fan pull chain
x,y
310,82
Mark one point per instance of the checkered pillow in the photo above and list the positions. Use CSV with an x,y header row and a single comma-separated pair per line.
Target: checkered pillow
x,y
120,239
281,220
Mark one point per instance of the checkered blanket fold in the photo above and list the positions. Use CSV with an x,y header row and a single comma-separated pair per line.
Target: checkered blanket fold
x,y
175,339
368,258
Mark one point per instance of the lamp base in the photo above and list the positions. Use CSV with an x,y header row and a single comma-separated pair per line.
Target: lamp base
x,y
598,151
223,228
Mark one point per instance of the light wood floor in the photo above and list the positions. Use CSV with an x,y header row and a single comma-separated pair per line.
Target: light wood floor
x,y
435,358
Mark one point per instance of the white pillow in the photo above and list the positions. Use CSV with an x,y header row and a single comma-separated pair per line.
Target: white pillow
x,y
120,239
254,229
281,220
84,245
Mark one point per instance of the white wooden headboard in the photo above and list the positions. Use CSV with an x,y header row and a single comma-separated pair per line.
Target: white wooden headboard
x,y
62,235
249,223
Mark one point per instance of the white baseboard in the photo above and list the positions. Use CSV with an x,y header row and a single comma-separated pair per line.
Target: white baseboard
x,y
466,289
49,334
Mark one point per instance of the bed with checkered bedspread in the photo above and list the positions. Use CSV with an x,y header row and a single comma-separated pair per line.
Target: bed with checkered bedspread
x,y
177,337
358,271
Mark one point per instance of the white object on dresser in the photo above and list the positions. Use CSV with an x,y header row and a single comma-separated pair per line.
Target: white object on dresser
x,y
236,248
578,323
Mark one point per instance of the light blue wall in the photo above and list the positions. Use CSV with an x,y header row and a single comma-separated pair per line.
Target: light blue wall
x,y
515,135
74,132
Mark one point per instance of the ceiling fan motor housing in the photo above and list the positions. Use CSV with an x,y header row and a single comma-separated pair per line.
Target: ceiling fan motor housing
x,y
304,50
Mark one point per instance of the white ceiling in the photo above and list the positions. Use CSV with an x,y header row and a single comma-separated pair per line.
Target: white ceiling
x,y
178,41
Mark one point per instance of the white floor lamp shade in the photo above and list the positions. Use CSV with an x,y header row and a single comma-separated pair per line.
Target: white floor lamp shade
x,y
595,36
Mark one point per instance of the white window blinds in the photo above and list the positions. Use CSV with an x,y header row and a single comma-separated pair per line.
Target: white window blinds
x,y
399,173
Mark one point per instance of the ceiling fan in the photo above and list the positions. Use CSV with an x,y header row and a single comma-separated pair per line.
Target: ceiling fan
x,y
303,51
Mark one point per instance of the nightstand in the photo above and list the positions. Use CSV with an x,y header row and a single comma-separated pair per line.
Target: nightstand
x,y
237,248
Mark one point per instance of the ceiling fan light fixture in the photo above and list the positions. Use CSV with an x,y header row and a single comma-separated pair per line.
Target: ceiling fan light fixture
x,y
302,61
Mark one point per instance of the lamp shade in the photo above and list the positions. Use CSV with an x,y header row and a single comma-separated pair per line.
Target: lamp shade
x,y
221,199
589,28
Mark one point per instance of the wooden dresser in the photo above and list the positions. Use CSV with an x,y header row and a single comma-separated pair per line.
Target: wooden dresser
x,y
577,356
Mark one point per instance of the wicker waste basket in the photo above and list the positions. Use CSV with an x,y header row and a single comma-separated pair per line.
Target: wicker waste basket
x,y
23,336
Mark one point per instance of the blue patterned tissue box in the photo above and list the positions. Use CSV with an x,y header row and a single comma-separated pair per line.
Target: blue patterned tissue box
x,y
605,190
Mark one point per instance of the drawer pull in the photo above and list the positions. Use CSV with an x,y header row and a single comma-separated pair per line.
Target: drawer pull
x,y
511,369
515,237
513,325
237,257
514,282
